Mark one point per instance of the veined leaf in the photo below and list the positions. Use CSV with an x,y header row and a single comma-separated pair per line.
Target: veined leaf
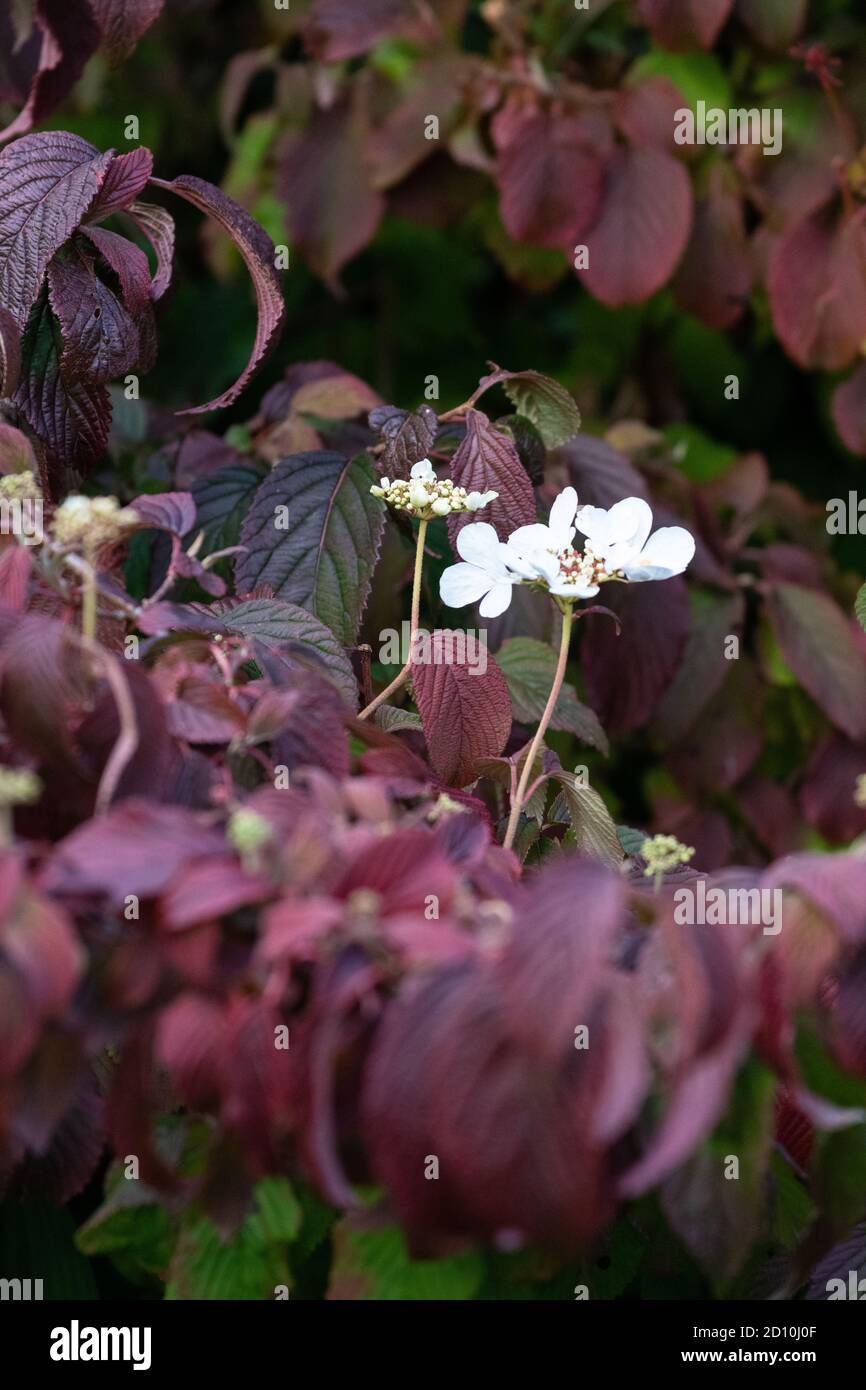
x,y
466,713
594,830
487,460
529,667
323,559
276,622
818,645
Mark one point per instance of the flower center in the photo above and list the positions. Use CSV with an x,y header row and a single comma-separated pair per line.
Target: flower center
x,y
582,567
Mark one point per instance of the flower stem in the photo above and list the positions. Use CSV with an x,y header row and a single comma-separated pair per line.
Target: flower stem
x,y
88,600
416,612
518,800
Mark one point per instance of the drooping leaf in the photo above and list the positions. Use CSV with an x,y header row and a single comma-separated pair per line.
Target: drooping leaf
x,y
259,254
122,23
47,184
626,675
129,264
125,179
466,713
529,667
548,171
63,37
817,287
324,558
101,340
487,460
642,228
158,226
332,209
69,413
817,643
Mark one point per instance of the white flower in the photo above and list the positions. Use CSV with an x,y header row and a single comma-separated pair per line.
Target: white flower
x,y
620,535
556,535
425,495
424,472
476,500
485,574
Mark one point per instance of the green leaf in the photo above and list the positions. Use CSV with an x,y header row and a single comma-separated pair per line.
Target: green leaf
x,y
322,554
699,76
221,501
860,606
376,1265
593,828
248,1266
275,620
792,1207
392,719
529,667
548,405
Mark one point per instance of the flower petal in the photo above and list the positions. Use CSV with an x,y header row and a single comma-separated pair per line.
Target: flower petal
x,y
528,538
462,584
496,601
479,544
665,554
424,471
561,521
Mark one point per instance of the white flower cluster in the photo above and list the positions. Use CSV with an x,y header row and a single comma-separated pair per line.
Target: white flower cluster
x,y
93,520
425,495
618,546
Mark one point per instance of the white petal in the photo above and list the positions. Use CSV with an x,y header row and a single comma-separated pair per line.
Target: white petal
x,y
384,484
528,538
665,554
561,521
573,588
593,522
496,601
423,471
630,522
479,544
462,584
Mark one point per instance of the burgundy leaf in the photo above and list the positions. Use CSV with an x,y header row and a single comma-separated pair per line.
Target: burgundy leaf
x,y
715,274
849,410
601,475
134,848
167,511
64,37
827,791
122,23
336,30
548,171
408,437
817,286
10,353
681,23
642,228
774,23
100,339
487,460
646,113
47,185
332,208
819,645
129,264
158,226
466,716
258,252
626,676
126,178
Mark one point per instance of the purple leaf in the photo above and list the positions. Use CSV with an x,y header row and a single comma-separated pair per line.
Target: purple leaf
x,y
466,715
158,226
10,354
100,339
64,36
258,252
47,184
626,676
129,264
487,460
167,511
127,176
122,23
70,414
324,558
408,437
819,645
